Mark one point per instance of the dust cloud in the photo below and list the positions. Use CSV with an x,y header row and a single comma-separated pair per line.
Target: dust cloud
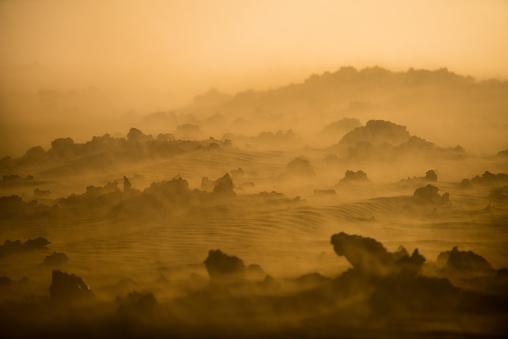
x,y
189,170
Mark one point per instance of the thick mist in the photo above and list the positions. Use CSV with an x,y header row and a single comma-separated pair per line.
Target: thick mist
x,y
241,169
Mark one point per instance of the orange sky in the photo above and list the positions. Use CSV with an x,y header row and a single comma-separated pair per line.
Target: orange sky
x,y
188,46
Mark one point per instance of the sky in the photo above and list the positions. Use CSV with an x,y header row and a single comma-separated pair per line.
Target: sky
x,y
185,47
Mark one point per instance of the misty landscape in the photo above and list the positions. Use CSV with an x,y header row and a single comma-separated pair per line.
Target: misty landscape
x,y
352,201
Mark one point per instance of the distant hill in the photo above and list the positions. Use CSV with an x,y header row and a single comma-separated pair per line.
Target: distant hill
x,y
439,104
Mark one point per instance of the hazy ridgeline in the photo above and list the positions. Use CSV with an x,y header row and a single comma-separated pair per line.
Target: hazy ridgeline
x,y
445,107
358,203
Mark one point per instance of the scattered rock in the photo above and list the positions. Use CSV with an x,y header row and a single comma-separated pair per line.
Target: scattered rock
x,y
300,166
431,175
369,256
56,259
430,194
12,247
376,132
463,262
354,177
224,185
490,179
222,266
67,287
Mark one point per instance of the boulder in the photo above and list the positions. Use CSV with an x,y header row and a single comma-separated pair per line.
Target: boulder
x,y
354,177
223,266
429,194
369,256
56,259
224,185
67,287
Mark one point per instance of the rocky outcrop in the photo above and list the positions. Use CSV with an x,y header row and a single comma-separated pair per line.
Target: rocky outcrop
x,y
369,256
67,287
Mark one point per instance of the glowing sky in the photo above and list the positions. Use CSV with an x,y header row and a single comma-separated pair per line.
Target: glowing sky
x,y
239,44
